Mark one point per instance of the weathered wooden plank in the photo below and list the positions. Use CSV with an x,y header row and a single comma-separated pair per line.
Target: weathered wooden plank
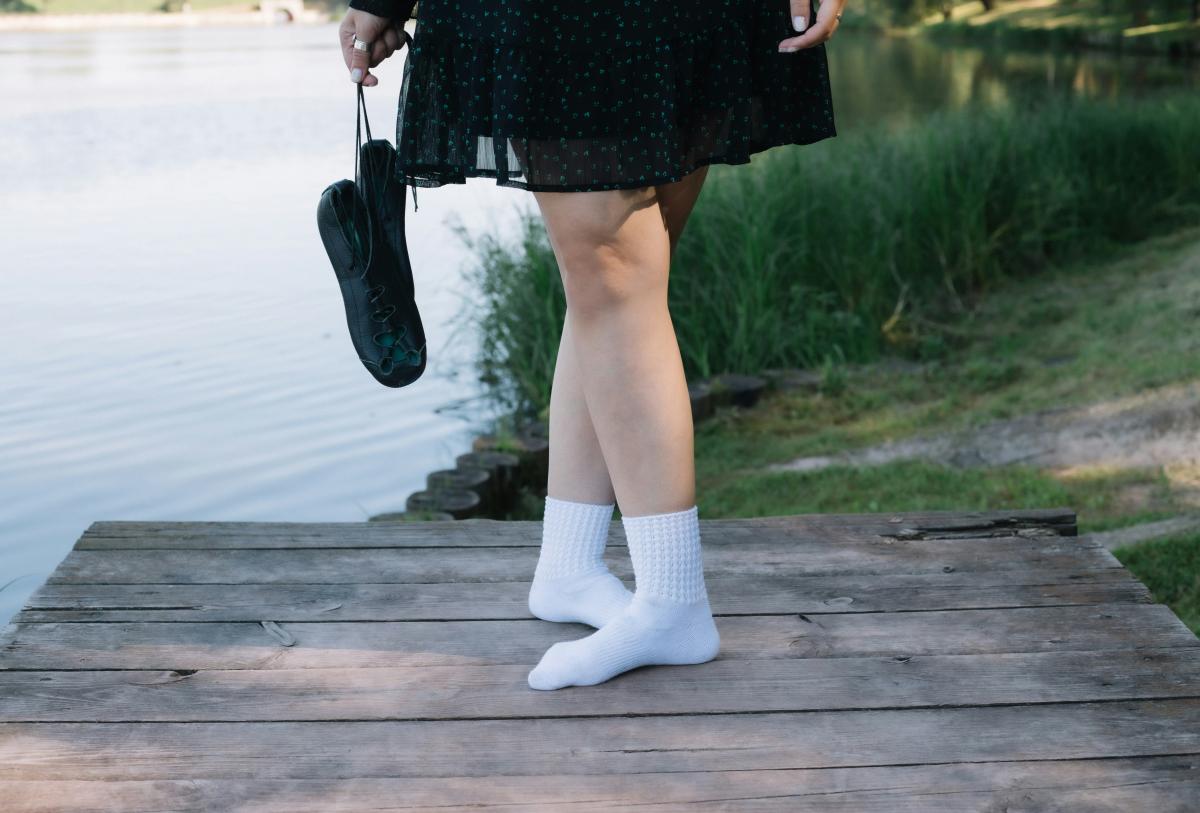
x,y
597,745
729,595
1169,784
185,646
107,535
337,566
501,692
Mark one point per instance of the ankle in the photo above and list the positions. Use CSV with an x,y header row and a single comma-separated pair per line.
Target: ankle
x,y
574,535
667,557
544,578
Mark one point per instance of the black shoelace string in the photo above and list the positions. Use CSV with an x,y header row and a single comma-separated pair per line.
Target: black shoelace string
x,y
361,120
390,337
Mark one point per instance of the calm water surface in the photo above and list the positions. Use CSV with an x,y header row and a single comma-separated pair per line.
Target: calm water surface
x,y
174,341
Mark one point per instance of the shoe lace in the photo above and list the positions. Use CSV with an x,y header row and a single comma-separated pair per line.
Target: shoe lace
x,y
389,339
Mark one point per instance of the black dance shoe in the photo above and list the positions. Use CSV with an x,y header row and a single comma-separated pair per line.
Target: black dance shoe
x,y
362,227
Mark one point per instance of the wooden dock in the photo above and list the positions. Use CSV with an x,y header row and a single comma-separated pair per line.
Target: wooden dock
x,y
910,663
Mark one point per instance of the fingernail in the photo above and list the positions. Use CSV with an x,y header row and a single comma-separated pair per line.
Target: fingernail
x,y
783,50
799,23
356,75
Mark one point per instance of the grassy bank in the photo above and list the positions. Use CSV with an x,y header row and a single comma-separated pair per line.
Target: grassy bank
x,y
1171,569
872,244
1081,334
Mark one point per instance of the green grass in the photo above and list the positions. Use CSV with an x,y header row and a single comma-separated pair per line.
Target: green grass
x,y
914,486
1080,334
1171,569
881,242
1071,336
894,231
517,306
1076,335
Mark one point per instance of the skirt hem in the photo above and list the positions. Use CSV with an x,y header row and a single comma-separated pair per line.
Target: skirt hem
x,y
433,177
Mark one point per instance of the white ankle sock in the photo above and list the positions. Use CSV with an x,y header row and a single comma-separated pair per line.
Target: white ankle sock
x,y
669,620
571,581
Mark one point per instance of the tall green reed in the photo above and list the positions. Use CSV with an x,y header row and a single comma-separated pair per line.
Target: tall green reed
x,y
866,243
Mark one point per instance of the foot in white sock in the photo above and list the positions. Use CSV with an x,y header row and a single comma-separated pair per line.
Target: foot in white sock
x,y
669,620
571,581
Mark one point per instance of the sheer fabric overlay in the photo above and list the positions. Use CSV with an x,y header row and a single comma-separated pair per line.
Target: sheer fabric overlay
x,y
609,94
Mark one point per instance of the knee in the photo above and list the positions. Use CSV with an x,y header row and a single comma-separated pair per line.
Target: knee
x,y
598,275
611,247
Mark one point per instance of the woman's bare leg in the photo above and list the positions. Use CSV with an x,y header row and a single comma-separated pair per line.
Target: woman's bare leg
x,y
577,467
677,201
613,250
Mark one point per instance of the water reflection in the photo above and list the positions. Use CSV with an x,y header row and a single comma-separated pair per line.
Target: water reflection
x,y
180,344
899,80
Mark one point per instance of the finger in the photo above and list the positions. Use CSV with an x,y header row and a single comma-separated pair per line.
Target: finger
x,y
346,36
363,60
821,30
379,52
815,35
392,38
360,61
801,14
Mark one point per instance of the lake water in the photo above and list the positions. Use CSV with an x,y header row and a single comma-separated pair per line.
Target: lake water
x,y
175,347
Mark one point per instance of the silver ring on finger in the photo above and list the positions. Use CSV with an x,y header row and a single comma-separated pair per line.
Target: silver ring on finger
x,y
361,45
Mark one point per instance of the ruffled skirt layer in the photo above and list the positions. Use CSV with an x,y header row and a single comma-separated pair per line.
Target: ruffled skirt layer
x,y
608,94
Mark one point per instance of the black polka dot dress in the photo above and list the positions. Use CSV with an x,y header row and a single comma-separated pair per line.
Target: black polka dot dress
x,y
565,95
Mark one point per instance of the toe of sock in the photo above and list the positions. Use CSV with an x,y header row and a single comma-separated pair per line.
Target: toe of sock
x,y
549,674
538,679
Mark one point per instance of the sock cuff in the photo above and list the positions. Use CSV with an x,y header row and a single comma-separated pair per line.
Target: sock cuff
x,y
665,549
573,537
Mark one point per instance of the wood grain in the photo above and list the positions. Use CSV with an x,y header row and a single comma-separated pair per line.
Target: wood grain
x,y
623,745
490,533
1161,784
735,594
924,662
499,692
247,645
875,556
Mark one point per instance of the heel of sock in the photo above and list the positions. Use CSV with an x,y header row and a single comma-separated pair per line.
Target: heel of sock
x,y
705,639
591,598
